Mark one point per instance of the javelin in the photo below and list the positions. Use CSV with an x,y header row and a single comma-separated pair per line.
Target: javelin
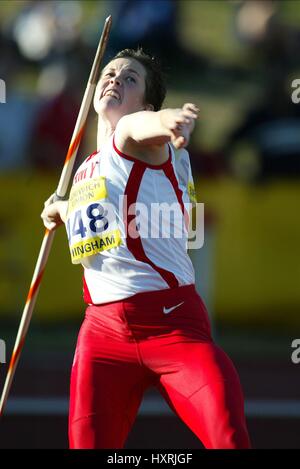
x,y
60,193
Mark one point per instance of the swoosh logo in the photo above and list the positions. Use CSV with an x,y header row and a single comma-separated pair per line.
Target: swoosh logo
x,y
168,310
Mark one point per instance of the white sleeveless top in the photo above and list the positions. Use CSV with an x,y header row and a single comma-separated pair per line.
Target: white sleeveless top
x,y
127,224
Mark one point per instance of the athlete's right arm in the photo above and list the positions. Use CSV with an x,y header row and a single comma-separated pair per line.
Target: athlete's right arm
x,y
54,213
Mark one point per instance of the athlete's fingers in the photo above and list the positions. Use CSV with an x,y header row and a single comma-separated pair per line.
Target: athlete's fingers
x,y
189,113
183,120
179,142
51,225
48,211
191,107
177,132
48,221
183,124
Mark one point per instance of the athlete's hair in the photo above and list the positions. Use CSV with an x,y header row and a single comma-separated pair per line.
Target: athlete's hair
x,y
155,92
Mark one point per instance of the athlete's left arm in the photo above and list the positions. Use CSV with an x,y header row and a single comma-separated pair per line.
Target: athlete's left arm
x,y
150,128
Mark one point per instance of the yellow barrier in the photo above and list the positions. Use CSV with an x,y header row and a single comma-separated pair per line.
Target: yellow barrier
x,y
257,251
21,235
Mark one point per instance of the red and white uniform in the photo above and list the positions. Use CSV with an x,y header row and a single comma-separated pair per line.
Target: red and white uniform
x,y
116,264
145,324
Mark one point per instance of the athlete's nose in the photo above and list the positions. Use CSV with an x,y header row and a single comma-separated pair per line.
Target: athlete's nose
x,y
116,80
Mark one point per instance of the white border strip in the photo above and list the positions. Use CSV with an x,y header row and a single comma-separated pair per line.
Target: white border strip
x,y
151,406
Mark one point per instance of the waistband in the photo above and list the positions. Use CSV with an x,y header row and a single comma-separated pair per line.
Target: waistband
x,y
157,295
161,295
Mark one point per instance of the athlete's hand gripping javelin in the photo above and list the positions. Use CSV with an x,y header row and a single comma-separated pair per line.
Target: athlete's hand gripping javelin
x,y
54,213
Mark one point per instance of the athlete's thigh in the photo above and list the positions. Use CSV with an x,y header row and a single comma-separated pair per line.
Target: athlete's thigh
x,y
107,385
204,390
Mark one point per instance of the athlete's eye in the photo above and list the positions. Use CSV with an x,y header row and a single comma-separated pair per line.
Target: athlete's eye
x,y
131,79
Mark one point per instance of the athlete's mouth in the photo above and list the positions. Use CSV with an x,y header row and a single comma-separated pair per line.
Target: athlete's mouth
x,y
114,93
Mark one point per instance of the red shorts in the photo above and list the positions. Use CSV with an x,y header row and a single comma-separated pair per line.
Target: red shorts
x,y
160,339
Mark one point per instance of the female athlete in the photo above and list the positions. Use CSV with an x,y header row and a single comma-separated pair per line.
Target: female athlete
x,y
145,325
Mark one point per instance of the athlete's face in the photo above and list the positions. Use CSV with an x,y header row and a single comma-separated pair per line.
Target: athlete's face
x,y
121,89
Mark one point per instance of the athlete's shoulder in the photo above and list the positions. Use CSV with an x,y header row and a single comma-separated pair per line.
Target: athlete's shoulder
x,y
92,155
87,168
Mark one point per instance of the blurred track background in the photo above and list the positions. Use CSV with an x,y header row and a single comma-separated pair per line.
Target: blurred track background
x,y
237,61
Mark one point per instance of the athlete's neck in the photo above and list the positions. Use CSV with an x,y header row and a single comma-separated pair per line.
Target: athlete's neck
x,y
104,131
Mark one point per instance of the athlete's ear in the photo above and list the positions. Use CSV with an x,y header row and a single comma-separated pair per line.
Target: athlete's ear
x,y
149,107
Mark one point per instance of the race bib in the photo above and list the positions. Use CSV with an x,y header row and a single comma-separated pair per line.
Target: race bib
x,y
91,221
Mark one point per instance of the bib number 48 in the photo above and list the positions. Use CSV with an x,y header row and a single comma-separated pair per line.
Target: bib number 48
x,y
96,221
